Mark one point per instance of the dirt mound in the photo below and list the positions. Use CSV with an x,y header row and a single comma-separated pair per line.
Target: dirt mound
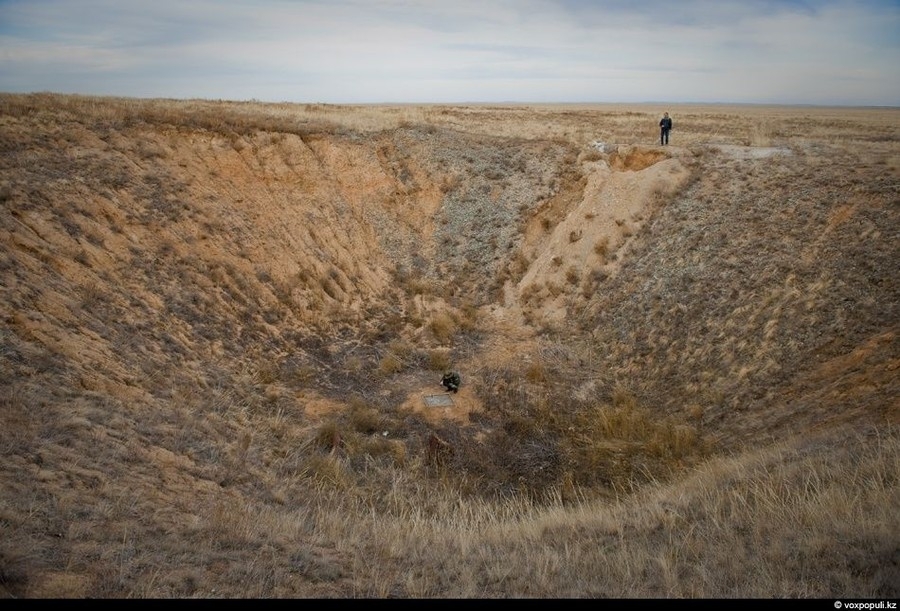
x,y
634,159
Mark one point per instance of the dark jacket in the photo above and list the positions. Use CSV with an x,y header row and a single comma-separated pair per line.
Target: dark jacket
x,y
451,381
665,123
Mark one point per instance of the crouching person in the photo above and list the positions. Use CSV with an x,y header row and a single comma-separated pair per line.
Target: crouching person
x,y
451,381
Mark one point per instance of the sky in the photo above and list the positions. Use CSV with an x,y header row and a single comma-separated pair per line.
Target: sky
x,y
822,52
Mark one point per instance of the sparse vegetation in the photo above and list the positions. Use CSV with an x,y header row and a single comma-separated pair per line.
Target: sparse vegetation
x,y
222,319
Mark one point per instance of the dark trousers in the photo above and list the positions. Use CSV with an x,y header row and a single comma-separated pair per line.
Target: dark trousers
x,y
664,136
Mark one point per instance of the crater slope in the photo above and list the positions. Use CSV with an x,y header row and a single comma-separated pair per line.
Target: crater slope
x,y
210,306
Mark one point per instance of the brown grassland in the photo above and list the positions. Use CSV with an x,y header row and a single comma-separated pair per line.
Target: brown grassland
x,y
221,322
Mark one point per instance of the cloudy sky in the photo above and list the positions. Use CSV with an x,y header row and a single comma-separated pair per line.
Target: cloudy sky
x,y
842,52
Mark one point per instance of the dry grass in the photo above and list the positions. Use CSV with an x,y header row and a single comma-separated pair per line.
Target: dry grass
x,y
220,319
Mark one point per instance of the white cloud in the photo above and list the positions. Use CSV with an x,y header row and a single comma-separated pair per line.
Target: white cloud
x,y
787,51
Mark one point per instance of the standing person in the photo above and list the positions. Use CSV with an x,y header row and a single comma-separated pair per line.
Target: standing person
x,y
665,126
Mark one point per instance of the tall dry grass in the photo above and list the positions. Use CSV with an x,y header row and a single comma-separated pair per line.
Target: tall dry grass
x,y
777,523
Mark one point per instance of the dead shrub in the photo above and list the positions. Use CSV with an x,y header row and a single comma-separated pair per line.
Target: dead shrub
x,y
451,183
267,373
468,319
390,364
622,397
695,412
401,348
530,293
147,149
353,364
298,373
328,470
554,289
536,373
442,327
363,417
518,265
92,295
328,436
415,285
591,155
377,446
624,422
331,288
675,441
83,257
438,360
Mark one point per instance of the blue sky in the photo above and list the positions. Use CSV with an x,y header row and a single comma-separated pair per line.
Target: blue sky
x,y
830,52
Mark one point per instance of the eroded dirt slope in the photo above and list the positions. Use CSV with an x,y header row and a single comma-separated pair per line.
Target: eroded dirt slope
x,y
207,245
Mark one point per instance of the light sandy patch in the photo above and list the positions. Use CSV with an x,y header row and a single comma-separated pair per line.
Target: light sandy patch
x,y
316,406
462,404
619,196
751,152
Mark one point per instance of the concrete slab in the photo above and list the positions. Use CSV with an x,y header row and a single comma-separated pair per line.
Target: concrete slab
x,y
438,400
